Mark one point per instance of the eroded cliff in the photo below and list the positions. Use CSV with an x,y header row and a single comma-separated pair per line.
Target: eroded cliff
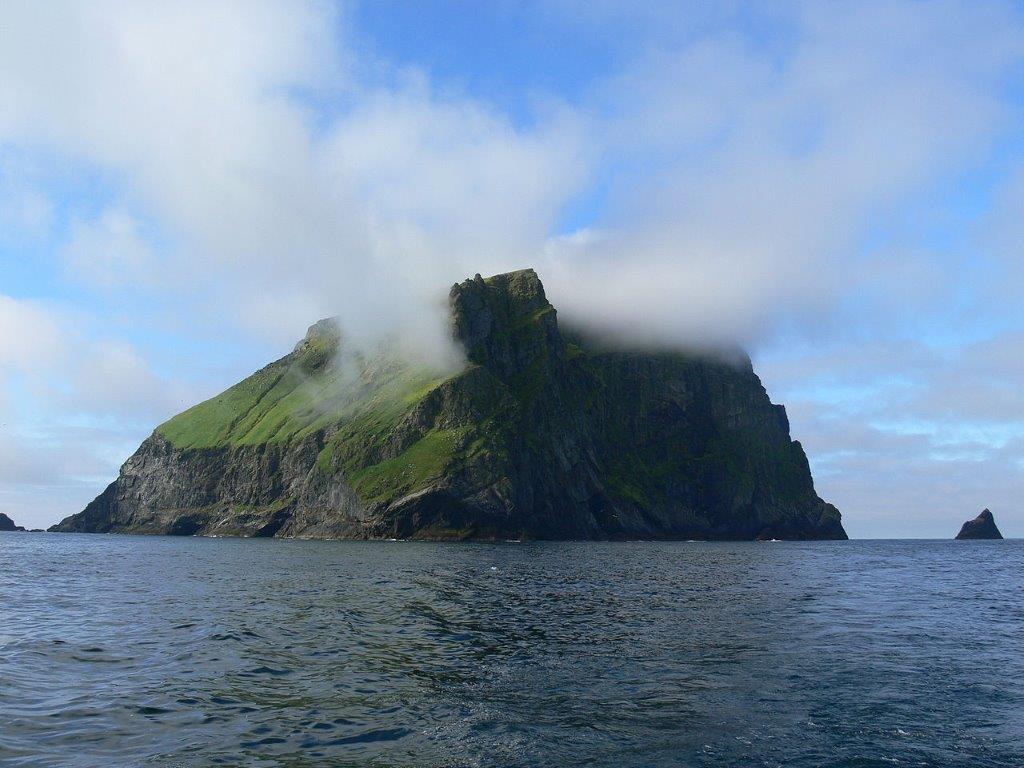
x,y
543,433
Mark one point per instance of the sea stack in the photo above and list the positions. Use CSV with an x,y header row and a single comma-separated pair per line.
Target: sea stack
x,y
981,527
6,524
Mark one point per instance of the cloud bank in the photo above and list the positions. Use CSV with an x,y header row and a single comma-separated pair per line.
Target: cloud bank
x,y
261,158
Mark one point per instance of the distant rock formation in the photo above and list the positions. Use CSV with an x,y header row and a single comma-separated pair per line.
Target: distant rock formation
x,y
981,527
6,524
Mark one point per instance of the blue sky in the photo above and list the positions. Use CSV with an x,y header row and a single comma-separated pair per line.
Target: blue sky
x,y
836,186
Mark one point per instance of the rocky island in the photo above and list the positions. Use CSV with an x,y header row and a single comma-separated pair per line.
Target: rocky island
x,y
6,524
981,527
544,433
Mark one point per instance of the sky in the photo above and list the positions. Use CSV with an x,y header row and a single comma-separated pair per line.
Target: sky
x,y
838,187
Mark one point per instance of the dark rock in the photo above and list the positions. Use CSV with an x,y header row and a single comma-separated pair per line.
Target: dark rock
x,y
6,524
981,527
544,433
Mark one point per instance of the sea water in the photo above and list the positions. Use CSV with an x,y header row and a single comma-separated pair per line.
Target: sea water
x,y
139,651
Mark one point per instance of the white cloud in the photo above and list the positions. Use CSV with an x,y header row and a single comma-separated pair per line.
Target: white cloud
x,y
110,250
199,108
909,438
59,359
113,378
767,169
29,336
66,398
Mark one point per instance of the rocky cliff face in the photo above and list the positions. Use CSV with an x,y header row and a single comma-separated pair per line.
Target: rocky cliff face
x,y
6,524
981,527
543,433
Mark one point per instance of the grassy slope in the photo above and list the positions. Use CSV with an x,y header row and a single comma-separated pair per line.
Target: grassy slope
x,y
421,462
306,392
297,395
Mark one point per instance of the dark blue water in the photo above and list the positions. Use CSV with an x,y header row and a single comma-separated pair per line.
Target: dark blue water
x,y
131,651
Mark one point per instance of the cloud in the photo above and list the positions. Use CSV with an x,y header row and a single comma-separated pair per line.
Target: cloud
x,y
30,338
909,437
746,181
58,358
765,171
46,471
367,208
114,378
110,250
72,404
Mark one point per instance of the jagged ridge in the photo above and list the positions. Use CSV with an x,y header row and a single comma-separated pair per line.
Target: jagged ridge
x,y
543,434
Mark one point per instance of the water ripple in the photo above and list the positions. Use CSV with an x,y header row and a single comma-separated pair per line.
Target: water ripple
x,y
196,652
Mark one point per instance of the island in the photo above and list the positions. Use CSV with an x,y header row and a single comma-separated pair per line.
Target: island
x,y
6,524
545,432
981,527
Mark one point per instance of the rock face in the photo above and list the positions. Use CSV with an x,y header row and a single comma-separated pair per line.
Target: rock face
x,y
981,527
543,433
6,524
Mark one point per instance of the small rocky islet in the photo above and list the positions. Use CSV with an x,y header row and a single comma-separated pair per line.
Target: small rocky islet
x,y
544,433
6,524
981,527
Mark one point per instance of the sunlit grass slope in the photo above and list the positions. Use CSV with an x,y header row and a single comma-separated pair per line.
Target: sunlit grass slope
x,y
313,388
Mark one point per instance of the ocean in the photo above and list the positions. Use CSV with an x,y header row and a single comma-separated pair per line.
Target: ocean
x,y
140,651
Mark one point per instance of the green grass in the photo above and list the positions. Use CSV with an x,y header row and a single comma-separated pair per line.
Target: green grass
x,y
298,395
424,460
212,422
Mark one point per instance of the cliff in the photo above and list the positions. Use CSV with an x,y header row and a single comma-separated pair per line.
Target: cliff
x,y
981,527
6,524
544,433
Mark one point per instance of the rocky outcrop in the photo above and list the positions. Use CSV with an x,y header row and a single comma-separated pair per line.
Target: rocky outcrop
x,y
6,524
544,433
981,527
